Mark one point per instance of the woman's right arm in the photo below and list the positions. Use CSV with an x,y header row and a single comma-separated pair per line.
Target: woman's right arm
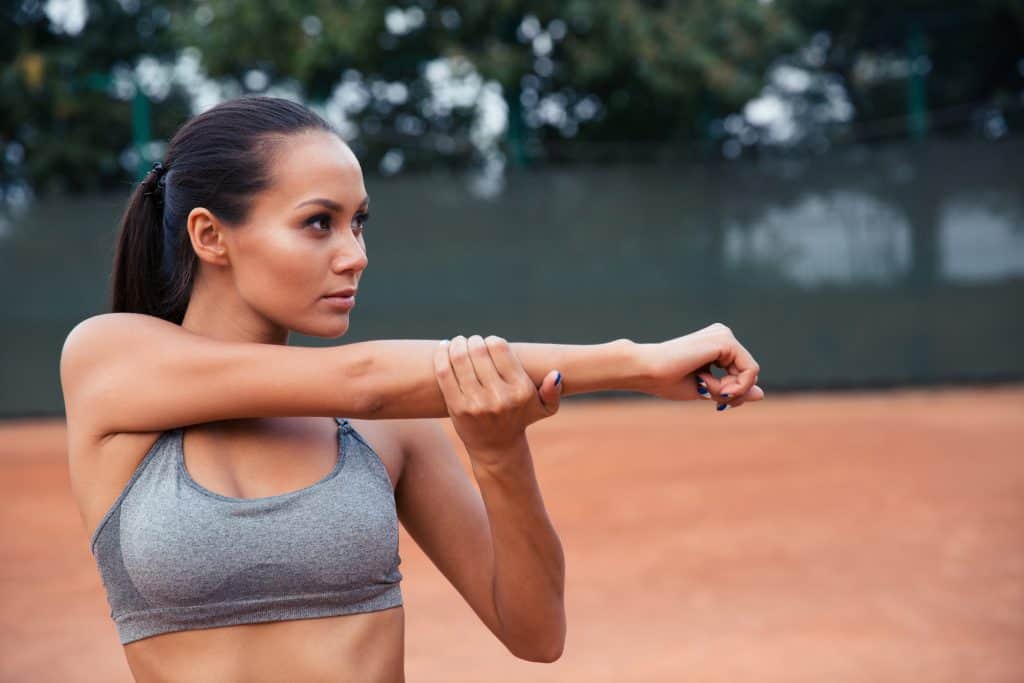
x,y
130,372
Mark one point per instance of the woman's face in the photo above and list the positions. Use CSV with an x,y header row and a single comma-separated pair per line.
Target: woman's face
x,y
304,236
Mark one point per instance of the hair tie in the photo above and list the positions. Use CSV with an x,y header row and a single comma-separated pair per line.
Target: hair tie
x,y
159,172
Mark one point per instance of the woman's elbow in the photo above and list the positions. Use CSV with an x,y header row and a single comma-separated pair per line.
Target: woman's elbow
x,y
550,652
541,647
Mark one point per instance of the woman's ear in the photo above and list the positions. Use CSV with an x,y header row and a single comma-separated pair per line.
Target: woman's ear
x,y
207,236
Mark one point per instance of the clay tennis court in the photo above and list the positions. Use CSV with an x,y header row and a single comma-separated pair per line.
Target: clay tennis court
x,y
866,536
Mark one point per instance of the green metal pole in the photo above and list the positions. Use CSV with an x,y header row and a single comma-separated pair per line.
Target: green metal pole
x,y
515,134
917,96
141,132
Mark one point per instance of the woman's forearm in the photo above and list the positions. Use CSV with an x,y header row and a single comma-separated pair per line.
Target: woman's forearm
x,y
396,376
529,563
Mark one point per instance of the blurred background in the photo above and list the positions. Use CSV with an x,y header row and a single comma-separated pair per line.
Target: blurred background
x,y
840,182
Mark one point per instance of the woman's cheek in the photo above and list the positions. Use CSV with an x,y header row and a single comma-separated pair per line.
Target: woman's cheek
x,y
289,263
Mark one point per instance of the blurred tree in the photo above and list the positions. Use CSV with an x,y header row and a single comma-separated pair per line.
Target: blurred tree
x,y
576,69
968,53
417,82
62,125
628,70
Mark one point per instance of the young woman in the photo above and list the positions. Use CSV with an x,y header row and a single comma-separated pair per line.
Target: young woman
x,y
242,529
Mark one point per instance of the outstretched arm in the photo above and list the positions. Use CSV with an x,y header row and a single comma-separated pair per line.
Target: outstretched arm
x,y
129,372
399,375
397,381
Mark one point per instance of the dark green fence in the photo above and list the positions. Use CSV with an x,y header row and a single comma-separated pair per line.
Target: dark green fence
x,y
863,267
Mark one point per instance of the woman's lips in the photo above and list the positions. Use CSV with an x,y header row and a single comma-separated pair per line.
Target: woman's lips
x,y
343,303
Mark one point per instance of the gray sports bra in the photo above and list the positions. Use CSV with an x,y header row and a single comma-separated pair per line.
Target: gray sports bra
x,y
175,556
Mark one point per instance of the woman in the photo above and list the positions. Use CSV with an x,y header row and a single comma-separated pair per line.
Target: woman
x,y
240,533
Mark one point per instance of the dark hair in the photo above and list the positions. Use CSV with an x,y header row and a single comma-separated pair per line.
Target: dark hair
x,y
219,160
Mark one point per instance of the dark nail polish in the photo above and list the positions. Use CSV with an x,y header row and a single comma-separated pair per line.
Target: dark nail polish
x,y
558,379
722,406
701,389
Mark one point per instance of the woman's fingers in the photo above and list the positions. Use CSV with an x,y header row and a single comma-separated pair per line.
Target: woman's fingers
x,y
483,363
756,393
445,375
709,386
721,390
742,370
462,365
506,362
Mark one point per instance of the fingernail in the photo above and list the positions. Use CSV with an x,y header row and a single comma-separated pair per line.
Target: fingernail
x,y
702,389
722,406
723,394
558,379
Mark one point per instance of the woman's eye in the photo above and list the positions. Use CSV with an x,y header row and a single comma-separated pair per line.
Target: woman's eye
x,y
320,217
361,219
358,221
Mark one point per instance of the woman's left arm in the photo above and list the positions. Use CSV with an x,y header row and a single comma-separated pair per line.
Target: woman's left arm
x,y
499,550
529,566
497,547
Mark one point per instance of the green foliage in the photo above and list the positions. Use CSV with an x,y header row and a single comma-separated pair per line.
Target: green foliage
x,y
617,70
57,113
235,36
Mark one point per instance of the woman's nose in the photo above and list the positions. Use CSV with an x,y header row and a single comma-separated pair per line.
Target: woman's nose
x,y
351,254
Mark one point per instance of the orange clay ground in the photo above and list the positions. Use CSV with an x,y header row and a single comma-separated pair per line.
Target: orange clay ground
x,y
869,536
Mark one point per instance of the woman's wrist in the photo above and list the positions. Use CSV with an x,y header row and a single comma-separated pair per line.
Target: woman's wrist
x,y
499,461
617,365
631,371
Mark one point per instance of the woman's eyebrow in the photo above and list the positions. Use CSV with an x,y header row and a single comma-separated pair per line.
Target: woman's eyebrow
x,y
330,204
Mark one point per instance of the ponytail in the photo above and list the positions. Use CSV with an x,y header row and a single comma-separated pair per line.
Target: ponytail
x,y
144,278
218,160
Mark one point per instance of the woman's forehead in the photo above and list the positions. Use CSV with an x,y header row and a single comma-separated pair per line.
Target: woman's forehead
x,y
317,165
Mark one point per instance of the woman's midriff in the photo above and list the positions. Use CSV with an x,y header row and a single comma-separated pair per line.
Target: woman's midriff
x,y
368,646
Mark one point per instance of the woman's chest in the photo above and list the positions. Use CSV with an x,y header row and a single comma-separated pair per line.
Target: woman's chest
x,y
183,543
103,470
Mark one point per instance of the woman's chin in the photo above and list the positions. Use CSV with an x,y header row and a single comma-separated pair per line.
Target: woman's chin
x,y
336,327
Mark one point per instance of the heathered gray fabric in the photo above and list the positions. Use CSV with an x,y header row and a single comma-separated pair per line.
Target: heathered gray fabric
x,y
175,556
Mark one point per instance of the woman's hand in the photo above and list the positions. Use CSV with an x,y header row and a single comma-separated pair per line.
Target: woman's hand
x,y
490,398
680,368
